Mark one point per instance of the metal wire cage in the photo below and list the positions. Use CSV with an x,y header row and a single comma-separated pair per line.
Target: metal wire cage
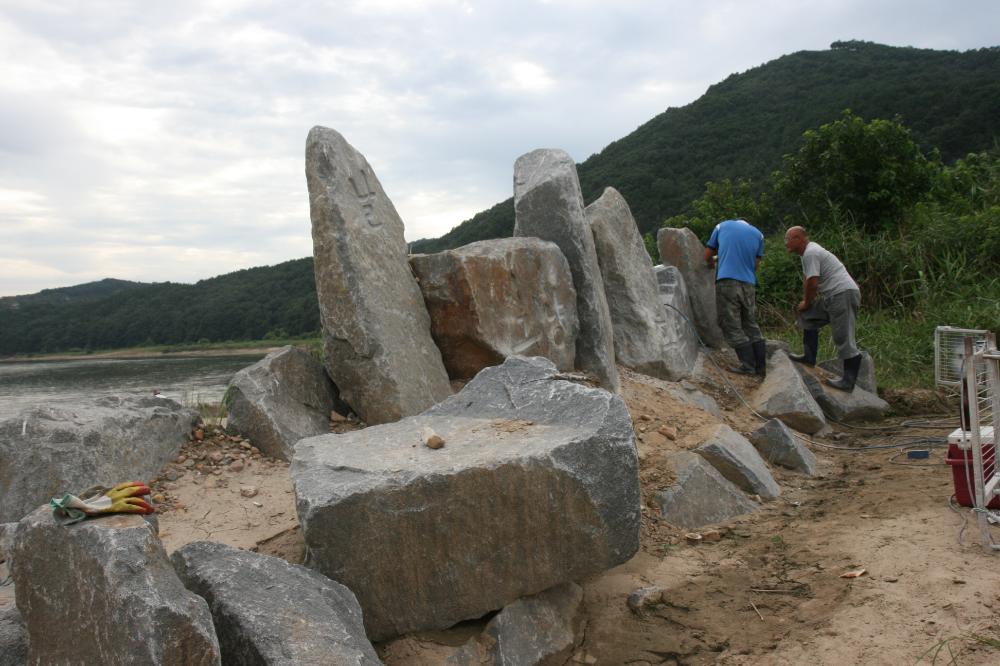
x,y
949,354
980,394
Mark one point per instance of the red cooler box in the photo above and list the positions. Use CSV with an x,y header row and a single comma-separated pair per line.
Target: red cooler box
x,y
961,466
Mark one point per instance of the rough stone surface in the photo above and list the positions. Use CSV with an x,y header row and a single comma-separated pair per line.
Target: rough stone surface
x,y
13,636
376,330
844,406
548,205
102,591
689,394
267,611
6,542
49,451
681,248
738,461
281,399
638,318
499,298
866,375
700,494
537,485
679,328
779,446
783,395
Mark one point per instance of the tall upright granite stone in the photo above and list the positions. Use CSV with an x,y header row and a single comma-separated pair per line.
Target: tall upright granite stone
x,y
548,204
681,248
499,298
637,316
376,330
102,591
678,325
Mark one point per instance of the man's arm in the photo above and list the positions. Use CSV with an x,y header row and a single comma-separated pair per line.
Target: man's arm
x,y
710,257
810,286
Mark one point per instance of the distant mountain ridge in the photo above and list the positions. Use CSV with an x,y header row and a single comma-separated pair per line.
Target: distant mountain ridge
x,y
81,293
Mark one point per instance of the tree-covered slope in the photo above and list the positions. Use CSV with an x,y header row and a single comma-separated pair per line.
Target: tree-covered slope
x,y
742,126
81,293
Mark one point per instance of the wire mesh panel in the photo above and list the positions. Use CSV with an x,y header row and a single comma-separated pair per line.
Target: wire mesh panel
x,y
981,406
949,354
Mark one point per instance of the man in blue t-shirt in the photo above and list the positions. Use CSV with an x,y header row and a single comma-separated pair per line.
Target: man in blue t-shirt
x,y
739,246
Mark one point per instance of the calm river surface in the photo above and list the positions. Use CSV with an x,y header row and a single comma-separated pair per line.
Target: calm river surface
x,y
186,380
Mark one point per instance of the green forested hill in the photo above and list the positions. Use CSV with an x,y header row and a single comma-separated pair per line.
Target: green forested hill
x,y
81,293
742,126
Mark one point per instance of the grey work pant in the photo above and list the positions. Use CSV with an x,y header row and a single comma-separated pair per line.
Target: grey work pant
x,y
840,311
736,303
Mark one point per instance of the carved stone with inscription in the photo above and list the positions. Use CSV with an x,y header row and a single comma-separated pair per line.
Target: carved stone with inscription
x,y
376,329
548,204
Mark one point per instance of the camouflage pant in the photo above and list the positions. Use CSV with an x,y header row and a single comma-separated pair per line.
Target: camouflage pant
x,y
736,303
839,311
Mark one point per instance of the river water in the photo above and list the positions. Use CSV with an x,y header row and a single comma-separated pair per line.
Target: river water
x,y
188,380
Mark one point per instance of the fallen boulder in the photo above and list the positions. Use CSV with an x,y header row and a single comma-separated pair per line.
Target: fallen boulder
x,y
681,248
738,461
267,611
639,323
499,298
49,451
843,406
783,395
866,374
548,205
376,329
537,485
103,591
281,399
778,445
700,495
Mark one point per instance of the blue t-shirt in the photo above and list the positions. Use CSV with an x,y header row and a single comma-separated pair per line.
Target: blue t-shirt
x,y
738,244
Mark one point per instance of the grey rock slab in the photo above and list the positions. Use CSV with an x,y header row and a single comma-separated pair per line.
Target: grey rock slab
x,y
376,329
282,398
499,298
844,406
678,327
48,451
691,395
784,395
866,374
737,460
778,445
681,248
267,611
548,204
638,318
13,636
537,484
700,495
6,541
103,591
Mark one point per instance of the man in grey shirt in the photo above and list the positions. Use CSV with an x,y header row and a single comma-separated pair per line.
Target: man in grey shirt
x,y
829,296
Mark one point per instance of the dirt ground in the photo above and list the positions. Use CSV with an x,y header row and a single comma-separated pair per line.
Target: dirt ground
x,y
771,591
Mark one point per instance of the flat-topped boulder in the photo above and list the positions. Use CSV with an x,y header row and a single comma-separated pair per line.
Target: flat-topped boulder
x,y
736,459
844,406
784,395
778,445
102,591
536,484
498,298
548,204
267,611
48,451
641,328
282,398
700,495
681,248
376,330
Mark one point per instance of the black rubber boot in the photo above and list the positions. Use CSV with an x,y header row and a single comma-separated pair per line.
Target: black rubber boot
x,y
760,358
810,345
744,352
851,368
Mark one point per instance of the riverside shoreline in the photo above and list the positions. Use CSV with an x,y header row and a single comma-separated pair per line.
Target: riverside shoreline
x,y
143,353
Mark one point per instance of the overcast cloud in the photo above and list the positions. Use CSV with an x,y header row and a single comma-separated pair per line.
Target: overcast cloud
x,y
164,141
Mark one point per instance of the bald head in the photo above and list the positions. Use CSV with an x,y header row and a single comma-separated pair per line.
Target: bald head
x,y
796,240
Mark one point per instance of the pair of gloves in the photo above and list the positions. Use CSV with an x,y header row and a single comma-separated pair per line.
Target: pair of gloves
x,y
126,497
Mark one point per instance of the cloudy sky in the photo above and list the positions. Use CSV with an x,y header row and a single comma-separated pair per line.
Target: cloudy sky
x,y
164,141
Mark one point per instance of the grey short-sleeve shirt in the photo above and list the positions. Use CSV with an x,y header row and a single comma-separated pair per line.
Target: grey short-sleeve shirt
x,y
833,277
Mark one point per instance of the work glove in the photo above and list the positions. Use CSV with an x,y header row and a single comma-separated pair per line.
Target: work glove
x,y
124,498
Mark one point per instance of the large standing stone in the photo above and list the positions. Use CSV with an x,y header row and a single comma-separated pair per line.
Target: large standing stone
x,y
267,611
738,461
548,205
281,399
779,446
376,329
700,494
499,298
537,484
866,374
843,406
681,248
49,451
102,591
679,328
638,319
783,395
